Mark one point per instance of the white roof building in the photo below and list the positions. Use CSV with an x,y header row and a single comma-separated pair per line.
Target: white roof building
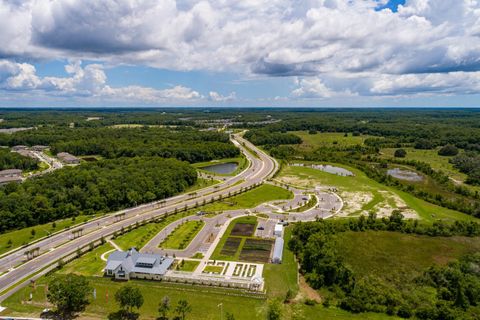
x,y
278,230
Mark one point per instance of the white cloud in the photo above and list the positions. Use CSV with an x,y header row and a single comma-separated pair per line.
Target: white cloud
x,y
332,45
89,81
217,97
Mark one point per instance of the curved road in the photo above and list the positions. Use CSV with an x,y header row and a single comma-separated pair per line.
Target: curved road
x,y
61,245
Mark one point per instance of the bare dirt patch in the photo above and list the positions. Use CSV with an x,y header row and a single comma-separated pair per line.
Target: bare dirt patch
x,y
306,292
243,229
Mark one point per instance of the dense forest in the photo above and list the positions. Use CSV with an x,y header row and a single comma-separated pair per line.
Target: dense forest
x,y
448,292
12,160
263,137
102,186
185,144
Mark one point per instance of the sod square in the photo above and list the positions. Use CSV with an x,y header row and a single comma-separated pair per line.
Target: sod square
x,y
256,250
243,229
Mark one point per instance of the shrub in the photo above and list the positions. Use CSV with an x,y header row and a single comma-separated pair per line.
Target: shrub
x,y
400,153
448,150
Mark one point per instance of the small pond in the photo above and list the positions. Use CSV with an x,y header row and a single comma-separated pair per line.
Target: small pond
x,y
221,168
404,174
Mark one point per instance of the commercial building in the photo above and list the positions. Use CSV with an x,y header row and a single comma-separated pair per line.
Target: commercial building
x,y
68,158
131,264
10,175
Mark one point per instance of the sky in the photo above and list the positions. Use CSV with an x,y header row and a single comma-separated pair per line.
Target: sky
x,y
248,53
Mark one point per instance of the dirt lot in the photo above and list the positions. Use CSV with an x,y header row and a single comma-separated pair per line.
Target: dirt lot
x,y
256,250
243,230
231,246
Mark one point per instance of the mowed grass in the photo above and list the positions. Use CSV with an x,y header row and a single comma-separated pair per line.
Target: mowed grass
x,y
328,139
309,177
90,263
187,265
204,300
23,236
200,184
280,278
250,199
181,237
399,257
140,236
216,255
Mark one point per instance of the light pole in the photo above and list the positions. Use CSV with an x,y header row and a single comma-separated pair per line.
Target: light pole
x,y
221,310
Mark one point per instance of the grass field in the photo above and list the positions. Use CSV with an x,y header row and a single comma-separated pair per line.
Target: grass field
x,y
399,257
181,237
328,139
140,236
24,236
250,199
204,300
188,265
362,194
90,264
428,156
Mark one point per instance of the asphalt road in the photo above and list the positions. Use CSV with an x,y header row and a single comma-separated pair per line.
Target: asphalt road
x,y
61,245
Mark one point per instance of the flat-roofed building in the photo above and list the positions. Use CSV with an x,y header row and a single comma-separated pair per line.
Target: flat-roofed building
x,y
68,158
10,175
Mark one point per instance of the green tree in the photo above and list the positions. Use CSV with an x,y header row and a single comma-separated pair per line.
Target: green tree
x,y
229,316
129,298
164,308
274,311
400,153
183,308
448,150
69,294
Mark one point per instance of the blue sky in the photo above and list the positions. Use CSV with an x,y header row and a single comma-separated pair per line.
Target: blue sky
x,y
332,53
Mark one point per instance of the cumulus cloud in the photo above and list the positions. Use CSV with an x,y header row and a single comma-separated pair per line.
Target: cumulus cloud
x,y
89,81
217,97
315,40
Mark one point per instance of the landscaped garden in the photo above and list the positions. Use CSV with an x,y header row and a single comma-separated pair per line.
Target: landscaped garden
x,y
182,235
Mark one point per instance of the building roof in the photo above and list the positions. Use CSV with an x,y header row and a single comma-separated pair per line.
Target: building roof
x,y
9,172
278,227
133,261
278,249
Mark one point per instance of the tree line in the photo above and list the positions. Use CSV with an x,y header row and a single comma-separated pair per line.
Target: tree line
x,y
186,144
97,187
264,137
456,287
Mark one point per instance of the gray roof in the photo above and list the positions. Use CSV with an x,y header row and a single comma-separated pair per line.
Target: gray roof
x,y
278,249
10,172
133,261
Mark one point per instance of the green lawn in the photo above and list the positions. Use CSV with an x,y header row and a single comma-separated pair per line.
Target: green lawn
x,y
250,199
400,257
24,236
200,184
90,264
216,253
213,269
204,300
350,187
240,161
328,139
181,237
140,236
279,278
188,265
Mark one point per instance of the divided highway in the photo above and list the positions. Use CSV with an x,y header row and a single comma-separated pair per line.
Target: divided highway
x,y
61,245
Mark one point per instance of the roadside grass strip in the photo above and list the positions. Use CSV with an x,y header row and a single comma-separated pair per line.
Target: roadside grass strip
x,y
182,235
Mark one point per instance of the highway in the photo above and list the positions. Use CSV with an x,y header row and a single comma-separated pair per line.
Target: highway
x,y
62,244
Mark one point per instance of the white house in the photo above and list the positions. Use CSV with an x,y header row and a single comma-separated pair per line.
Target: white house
x,y
278,230
124,265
